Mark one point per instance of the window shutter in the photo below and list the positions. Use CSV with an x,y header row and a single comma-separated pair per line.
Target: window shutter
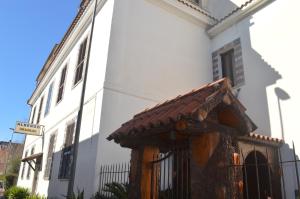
x,y
69,134
49,162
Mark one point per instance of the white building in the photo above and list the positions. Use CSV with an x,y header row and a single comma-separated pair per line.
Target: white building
x,y
144,52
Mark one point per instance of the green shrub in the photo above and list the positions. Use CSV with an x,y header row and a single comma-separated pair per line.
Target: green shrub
x,y
10,180
36,197
80,195
16,193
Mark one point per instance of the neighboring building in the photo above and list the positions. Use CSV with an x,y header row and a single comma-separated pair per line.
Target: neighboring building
x,y
9,151
147,51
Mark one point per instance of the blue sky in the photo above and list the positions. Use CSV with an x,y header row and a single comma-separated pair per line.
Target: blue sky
x,y
28,31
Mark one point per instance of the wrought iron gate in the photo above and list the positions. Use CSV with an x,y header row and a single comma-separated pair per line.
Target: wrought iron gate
x,y
170,177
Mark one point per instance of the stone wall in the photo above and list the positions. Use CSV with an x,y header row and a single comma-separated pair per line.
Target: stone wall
x,y
216,179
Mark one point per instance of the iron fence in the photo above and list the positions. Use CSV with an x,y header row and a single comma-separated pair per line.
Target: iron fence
x,y
114,176
262,176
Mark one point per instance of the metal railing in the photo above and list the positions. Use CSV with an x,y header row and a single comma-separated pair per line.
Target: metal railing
x,y
170,176
111,175
262,176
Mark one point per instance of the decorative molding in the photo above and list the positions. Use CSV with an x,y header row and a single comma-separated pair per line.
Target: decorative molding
x,y
192,10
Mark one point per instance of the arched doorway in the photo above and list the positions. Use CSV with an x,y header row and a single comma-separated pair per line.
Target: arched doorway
x,y
257,176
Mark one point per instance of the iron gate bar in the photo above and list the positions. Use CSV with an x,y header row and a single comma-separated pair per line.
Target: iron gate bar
x,y
177,171
188,177
257,176
100,179
173,178
260,164
158,178
290,161
182,166
113,173
116,172
281,169
269,173
164,175
151,181
246,175
296,167
169,188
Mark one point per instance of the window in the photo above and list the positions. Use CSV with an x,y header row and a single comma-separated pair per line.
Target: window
x,y
33,115
80,62
48,103
23,166
40,110
228,62
61,84
49,162
67,153
227,65
29,168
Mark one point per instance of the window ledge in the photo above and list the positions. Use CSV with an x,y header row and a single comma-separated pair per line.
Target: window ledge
x,y
63,179
75,85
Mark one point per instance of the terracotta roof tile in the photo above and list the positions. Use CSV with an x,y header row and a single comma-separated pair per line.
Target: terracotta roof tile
x,y
233,12
172,110
196,7
264,138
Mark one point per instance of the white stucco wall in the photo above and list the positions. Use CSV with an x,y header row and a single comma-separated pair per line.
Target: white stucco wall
x,y
156,52
270,40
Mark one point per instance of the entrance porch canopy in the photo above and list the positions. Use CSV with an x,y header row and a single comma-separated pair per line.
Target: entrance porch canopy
x,y
211,108
33,158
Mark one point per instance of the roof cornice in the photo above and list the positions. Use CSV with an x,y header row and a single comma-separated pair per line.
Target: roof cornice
x,y
68,42
240,13
192,10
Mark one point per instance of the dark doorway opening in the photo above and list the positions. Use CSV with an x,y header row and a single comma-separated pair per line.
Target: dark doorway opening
x,y
257,176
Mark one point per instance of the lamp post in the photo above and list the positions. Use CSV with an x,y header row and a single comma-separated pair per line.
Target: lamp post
x,y
281,96
9,149
80,111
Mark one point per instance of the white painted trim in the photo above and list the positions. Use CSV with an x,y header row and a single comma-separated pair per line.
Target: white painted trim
x,y
237,17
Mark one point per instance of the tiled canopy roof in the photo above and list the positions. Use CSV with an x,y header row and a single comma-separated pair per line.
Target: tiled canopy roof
x,y
32,157
190,105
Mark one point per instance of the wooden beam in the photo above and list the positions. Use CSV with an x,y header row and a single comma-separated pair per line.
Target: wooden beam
x,y
208,126
29,162
149,153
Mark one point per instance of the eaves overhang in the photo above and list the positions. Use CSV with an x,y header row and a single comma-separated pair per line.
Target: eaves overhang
x,y
262,139
192,10
240,13
76,29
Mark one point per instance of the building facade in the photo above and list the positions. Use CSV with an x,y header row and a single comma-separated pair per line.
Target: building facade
x,y
9,151
144,52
